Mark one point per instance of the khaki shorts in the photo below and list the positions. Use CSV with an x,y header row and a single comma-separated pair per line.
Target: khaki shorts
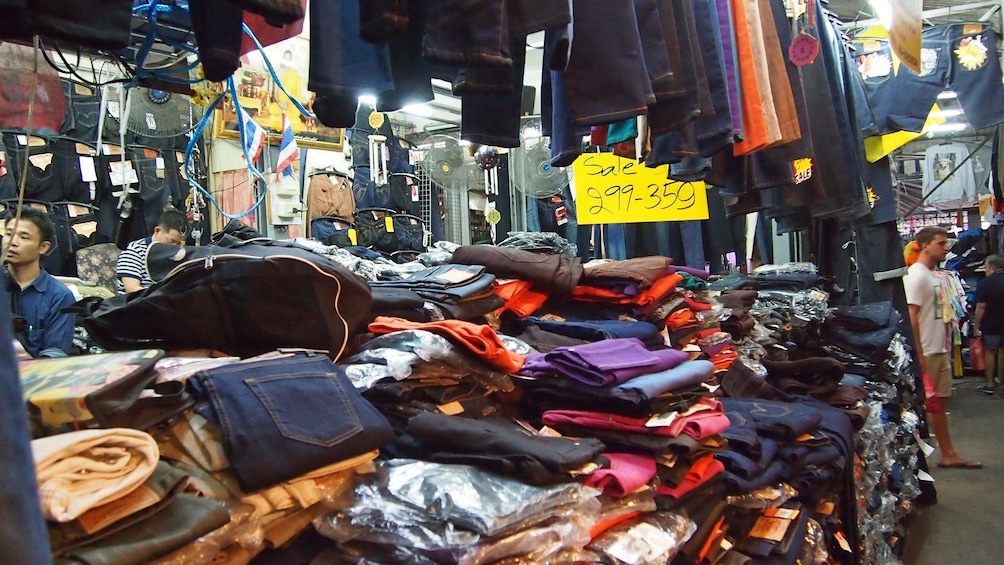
x,y
939,368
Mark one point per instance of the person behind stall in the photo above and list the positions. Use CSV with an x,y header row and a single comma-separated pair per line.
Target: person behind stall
x,y
990,297
930,332
37,298
130,269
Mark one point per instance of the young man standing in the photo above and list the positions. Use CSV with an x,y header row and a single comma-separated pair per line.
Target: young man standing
x,y
990,297
930,332
130,269
36,296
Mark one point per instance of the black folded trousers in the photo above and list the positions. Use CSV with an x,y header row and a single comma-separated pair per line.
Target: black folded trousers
x,y
502,447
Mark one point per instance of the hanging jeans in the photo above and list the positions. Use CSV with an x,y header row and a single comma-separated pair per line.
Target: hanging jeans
x,y
961,57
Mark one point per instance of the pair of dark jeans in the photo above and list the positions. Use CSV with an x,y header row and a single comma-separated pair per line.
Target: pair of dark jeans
x,y
45,166
315,417
902,100
502,447
23,536
344,65
598,330
457,282
82,109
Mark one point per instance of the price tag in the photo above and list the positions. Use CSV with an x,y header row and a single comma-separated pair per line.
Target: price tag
x,y
802,170
414,193
451,408
770,528
662,420
87,171
113,108
151,122
352,237
842,541
122,172
41,160
388,221
611,190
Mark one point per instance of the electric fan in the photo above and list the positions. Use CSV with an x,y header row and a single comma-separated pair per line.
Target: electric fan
x,y
533,174
156,113
447,162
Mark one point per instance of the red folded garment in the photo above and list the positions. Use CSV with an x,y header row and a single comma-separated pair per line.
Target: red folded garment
x,y
627,473
480,339
702,471
520,297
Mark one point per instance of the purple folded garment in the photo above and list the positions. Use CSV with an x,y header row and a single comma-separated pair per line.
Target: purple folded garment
x,y
535,366
611,361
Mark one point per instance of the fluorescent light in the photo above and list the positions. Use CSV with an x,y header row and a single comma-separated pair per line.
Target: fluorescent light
x,y
883,11
368,99
947,113
422,110
947,95
947,128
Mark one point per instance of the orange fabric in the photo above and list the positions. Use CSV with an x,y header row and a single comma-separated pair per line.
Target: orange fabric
x,y
648,298
754,123
604,525
911,253
520,297
480,339
679,319
717,533
784,98
724,358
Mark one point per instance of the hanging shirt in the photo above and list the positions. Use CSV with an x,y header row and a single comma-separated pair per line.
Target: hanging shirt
x,y
939,161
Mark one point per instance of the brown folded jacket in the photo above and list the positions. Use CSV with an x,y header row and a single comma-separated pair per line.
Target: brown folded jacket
x,y
558,273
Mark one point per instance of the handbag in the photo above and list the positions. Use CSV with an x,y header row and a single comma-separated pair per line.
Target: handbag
x,y
932,404
106,390
253,297
977,361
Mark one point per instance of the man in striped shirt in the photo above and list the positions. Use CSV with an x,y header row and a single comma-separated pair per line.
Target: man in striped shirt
x,y
130,269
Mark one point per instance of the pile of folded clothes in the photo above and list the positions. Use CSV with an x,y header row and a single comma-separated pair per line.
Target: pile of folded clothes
x,y
499,405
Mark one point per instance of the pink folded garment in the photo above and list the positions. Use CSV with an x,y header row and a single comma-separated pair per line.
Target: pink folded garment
x,y
627,473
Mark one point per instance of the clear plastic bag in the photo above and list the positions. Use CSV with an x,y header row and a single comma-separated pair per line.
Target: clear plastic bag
x,y
653,539
568,529
785,268
814,552
475,499
764,498
243,529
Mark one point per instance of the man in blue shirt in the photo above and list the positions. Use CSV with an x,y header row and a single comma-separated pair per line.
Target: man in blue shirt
x,y
36,296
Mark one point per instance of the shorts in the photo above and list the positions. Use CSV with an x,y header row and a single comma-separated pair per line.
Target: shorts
x,y
939,368
993,341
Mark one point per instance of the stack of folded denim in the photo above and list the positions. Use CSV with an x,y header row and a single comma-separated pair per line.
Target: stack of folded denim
x,y
463,292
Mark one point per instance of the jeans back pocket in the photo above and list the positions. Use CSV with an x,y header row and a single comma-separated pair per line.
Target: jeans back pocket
x,y
312,408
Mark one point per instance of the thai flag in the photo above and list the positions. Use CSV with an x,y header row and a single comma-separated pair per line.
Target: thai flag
x,y
289,153
254,135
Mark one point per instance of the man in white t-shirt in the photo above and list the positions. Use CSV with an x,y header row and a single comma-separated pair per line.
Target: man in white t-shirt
x,y
931,334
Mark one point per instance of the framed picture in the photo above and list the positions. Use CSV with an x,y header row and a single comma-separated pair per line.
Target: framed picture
x,y
258,94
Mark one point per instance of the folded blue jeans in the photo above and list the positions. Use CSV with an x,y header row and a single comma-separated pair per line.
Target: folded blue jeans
x,y
684,376
302,407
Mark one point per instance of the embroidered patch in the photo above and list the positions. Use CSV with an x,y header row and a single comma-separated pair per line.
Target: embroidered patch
x,y
875,65
928,62
972,53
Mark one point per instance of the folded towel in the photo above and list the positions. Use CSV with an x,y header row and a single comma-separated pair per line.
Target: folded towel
x,y
78,471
